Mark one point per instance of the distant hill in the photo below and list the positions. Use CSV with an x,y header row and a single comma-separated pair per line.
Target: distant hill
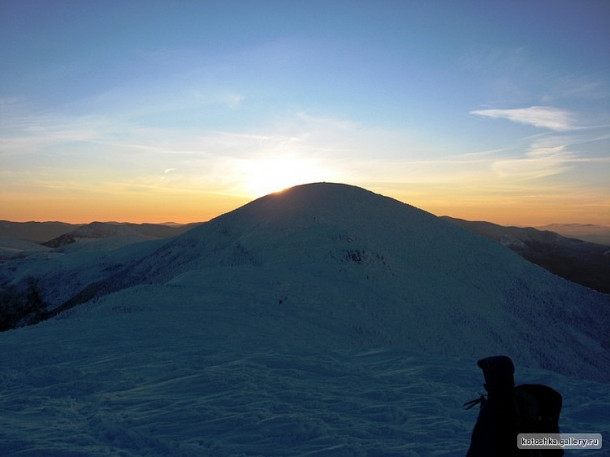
x,y
599,234
55,234
100,230
330,266
35,232
573,259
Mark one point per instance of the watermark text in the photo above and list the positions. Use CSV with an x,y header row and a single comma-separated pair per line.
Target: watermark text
x,y
559,440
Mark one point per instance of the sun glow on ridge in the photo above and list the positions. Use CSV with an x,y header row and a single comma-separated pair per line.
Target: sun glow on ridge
x,y
266,175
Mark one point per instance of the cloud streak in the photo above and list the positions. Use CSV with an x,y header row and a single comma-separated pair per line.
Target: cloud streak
x,y
539,162
539,116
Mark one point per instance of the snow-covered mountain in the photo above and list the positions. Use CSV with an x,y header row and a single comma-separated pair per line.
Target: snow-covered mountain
x,y
330,259
324,320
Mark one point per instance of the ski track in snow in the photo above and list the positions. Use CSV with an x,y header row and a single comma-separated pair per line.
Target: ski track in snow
x,y
130,383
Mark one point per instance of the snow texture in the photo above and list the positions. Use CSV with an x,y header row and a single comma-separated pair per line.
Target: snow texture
x,y
321,321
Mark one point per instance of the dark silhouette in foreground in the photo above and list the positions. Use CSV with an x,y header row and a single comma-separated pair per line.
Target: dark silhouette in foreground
x,y
509,410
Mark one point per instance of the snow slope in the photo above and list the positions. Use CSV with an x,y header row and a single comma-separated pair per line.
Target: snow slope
x,y
11,248
321,321
146,379
59,273
573,259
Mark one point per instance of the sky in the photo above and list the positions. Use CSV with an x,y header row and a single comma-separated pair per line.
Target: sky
x,y
156,111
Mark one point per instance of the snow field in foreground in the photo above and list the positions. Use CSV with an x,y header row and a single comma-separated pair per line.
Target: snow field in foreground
x,y
165,383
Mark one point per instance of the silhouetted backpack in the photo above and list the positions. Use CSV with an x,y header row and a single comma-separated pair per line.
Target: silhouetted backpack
x,y
509,410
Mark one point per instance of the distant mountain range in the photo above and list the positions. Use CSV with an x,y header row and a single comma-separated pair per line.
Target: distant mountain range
x,y
55,234
330,266
98,230
35,232
19,239
588,232
573,259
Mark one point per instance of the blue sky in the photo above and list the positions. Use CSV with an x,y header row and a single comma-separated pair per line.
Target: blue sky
x,y
160,110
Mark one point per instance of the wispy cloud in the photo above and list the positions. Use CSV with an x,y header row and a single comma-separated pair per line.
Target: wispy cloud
x,y
548,156
538,116
539,162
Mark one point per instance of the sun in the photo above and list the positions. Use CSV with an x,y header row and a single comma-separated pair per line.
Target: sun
x,y
273,174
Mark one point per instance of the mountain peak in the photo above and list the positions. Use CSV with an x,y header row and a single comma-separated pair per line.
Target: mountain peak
x,y
342,206
323,198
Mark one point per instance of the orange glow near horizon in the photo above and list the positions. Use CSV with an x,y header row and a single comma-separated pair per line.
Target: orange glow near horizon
x,y
161,209
186,207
